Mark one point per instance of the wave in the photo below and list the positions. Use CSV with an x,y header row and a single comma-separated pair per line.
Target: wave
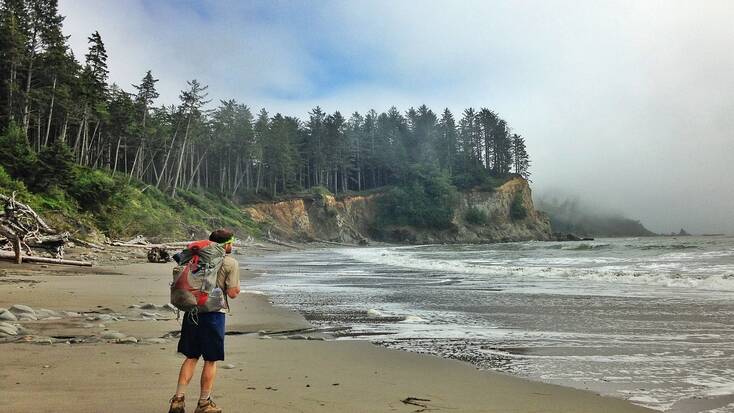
x,y
663,247
673,270
586,247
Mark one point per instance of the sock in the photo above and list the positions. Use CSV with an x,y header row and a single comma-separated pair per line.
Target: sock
x,y
205,395
180,389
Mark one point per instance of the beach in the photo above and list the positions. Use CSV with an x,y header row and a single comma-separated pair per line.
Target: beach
x,y
109,345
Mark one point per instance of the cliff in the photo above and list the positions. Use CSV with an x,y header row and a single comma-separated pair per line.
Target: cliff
x,y
353,219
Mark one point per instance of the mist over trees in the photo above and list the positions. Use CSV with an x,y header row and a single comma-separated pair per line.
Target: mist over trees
x,y
59,114
570,215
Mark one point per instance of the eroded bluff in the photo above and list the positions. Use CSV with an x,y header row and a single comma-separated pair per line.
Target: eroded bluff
x,y
353,219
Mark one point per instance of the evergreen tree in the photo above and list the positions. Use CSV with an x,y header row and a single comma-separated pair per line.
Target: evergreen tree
x,y
55,167
192,99
14,33
520,156
446,143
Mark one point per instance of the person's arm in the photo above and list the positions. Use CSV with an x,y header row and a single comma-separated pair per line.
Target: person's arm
x,y
233,279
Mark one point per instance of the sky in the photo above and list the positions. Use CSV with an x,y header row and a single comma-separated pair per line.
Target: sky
x,y
627,105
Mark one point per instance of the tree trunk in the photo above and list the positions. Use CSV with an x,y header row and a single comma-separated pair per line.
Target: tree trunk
x,y
29,77
117,152
51,113
198,164
258,179
180,157
135,163
62,137
165,161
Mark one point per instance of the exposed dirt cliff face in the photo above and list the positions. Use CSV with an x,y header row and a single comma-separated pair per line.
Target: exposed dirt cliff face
x,y
352,219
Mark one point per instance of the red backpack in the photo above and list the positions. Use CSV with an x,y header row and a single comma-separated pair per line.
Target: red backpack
x,y
194,286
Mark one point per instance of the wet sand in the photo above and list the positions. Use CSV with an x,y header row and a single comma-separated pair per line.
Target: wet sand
x,y
274,362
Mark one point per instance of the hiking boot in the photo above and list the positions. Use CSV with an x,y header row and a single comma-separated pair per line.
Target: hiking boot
x,y
207,406
177,405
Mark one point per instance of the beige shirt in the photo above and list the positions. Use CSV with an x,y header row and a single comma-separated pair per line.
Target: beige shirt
x,y
228,276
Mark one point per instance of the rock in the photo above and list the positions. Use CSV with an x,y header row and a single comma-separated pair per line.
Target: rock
x,y
133,306
156,340
101,317
8,330
169,307
42,340
113,335
71,314
127,340
298,337
46,313
21,309
149,314
228,366
316,338
8,316
27,317
149,306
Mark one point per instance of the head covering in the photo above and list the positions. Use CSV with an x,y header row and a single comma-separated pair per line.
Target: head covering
x,y
222,236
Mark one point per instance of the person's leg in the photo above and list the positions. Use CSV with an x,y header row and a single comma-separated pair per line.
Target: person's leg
x,y
188,345
212,350
207,379
185,375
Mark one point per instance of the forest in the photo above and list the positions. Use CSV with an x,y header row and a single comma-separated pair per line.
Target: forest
x,y
61,118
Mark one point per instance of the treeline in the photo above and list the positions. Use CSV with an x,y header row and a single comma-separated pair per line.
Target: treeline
x,y
57,111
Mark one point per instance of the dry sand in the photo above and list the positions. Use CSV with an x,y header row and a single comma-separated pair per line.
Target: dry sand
x,y
268,372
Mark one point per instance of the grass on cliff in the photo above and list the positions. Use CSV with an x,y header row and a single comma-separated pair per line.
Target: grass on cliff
x,y
99,202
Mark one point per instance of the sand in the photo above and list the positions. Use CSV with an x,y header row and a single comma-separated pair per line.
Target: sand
x,y
269,368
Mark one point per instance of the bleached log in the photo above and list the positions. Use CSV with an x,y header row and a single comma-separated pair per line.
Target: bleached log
x,y
31,258
285,244
86,243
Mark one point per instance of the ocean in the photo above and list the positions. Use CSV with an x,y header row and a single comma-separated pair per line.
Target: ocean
x,y
650,320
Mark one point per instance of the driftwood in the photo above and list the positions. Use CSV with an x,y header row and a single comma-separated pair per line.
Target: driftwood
x,y
343,244
32,258
415,401
171,245
23,228
85,243
285,244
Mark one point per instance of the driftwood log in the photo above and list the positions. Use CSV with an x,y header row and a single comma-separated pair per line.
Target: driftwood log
x,y
23,228
45,260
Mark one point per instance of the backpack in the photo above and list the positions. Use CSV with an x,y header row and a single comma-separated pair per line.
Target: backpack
x,y
194,287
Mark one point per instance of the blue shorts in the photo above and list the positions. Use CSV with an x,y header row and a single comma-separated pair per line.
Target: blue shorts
x,y
202,336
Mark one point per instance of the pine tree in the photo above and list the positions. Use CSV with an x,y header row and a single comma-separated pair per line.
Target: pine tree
x,y
146,94
14,33
446,143
192,100
501,149
55,167
520,156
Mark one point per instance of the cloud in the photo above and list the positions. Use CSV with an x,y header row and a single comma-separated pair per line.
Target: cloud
x,y
626,103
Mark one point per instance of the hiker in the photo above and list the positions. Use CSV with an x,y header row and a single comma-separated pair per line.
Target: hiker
x,y
202,331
